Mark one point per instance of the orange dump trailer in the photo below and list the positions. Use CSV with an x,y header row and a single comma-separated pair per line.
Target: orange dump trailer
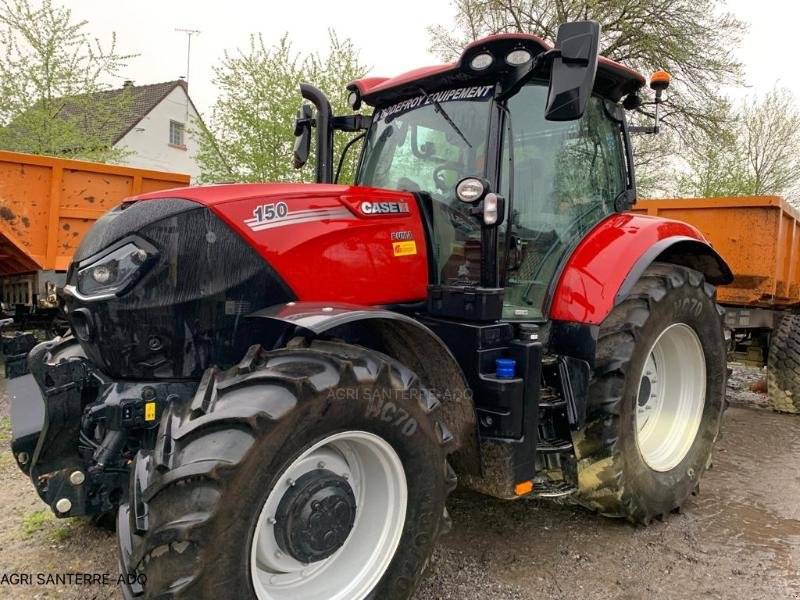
x,y
758,236
46,206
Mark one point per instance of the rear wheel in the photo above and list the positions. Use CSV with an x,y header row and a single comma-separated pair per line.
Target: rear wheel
x,y
314,473
657,397
783,371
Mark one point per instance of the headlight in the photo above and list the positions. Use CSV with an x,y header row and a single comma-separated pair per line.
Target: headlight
x,y
470,189
518,57
481,62
354,100
114,272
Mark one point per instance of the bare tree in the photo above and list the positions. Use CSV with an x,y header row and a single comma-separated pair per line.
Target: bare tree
x,y
692,39
770,135
758,154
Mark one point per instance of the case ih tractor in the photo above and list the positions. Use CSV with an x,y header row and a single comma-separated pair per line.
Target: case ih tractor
x,y
275,386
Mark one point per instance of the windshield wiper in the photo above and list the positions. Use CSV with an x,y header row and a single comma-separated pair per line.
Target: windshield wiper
x,y
442,112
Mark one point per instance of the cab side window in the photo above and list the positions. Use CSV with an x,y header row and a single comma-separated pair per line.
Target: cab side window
x,y
567,176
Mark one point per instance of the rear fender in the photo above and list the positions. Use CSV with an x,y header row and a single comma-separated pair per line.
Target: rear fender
x,y
407,341
609,261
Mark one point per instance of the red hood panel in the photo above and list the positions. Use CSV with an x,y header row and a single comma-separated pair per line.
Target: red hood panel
x,y
332,243
211,195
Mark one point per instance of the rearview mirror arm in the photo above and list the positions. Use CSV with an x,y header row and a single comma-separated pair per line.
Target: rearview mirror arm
x,y
521,75
352,123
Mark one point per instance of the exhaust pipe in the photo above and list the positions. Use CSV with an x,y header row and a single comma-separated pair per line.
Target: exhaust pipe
x,y
324,131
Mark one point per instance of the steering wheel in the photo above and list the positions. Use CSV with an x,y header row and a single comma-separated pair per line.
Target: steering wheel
x,y
438,175
407,185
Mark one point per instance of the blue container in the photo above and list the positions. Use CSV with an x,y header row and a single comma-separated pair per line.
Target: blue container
x,y
506,368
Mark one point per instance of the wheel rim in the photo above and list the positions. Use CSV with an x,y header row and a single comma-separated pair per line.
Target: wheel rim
x,y
672,393
375,474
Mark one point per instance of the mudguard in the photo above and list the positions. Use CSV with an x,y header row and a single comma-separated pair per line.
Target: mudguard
x,y
318,317
406,340
610,259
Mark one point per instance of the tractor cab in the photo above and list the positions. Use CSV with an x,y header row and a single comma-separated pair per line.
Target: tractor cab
x,y
516,151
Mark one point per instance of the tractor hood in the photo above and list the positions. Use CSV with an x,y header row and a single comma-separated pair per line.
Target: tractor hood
x,y
161,286
328,242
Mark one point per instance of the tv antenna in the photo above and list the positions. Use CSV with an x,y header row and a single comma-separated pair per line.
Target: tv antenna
x,y
189,33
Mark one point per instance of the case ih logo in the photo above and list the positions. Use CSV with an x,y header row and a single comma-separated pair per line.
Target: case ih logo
x,y
385,208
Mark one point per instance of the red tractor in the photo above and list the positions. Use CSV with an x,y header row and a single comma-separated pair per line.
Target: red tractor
x,y
276,386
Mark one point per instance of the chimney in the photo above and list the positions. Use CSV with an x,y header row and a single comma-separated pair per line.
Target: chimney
x,y
128,84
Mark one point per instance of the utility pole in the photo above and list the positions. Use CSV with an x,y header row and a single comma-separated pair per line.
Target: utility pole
x,y
189,33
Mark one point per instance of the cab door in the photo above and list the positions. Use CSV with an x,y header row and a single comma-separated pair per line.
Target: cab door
x,y
567,177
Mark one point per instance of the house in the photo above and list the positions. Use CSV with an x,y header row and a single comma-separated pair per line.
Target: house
x,y
156,129
152,124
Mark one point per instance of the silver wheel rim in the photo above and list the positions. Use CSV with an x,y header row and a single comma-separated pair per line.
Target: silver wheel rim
x,y
672,395
376,475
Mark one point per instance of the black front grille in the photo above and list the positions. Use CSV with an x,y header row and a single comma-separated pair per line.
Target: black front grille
x,y
185,313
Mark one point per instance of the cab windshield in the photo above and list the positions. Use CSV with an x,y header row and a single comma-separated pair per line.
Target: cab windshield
x,y
417,146
429,142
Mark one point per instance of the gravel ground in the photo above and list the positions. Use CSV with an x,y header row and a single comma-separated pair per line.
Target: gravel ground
x,y
739,538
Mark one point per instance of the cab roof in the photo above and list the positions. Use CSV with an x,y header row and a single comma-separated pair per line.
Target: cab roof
x,y
613,80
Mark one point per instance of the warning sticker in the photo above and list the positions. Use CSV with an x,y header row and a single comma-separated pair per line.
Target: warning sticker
x,y
404,248
150,411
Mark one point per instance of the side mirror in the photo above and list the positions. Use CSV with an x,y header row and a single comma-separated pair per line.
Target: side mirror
x,y
302,136
573,71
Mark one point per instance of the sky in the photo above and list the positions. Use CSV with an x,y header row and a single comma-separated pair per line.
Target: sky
x,y
392,37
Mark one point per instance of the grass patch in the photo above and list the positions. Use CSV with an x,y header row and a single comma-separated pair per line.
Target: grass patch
x,y
35,521
42,520
6,458
5,430
62,532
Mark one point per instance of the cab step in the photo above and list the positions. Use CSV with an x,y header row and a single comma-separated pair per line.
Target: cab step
x,y
552,489
551,402
553,446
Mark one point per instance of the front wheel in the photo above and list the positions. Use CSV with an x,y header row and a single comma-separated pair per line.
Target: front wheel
x,y
315,473
308,543
657,397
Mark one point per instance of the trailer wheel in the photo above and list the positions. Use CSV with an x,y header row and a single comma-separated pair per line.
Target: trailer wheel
x,y
316,472
656,401
783,369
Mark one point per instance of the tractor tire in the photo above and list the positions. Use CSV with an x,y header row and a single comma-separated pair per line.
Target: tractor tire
x,y
656,399
307,472
783,369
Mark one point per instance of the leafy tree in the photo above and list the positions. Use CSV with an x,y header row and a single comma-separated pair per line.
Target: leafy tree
x,y
758,154
51,76
249,136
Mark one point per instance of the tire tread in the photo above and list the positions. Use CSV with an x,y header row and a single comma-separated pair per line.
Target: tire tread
x,y
601,478
783,369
